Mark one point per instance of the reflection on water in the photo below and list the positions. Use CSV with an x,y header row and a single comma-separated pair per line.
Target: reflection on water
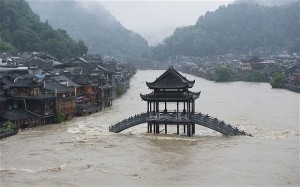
x,y
82,152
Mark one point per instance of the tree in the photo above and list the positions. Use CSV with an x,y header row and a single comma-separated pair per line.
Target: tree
x,y
255,76
278,80
120,90
257,29
82,48
7,47
8,126
223,74
21,30
59,117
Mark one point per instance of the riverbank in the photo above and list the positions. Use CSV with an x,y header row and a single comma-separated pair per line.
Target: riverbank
x,y
8,134
292,88
201,75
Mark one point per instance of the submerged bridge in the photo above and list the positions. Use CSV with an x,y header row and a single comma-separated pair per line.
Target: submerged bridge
x,y
171,103
197,118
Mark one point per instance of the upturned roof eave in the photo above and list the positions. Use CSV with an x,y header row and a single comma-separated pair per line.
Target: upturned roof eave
x,y
152,85
170,99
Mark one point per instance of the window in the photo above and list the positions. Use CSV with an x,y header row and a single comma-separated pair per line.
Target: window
x,y
15,105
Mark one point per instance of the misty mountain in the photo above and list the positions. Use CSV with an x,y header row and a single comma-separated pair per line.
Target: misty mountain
x,y
155,36
90,22
21,30
238,28
266,2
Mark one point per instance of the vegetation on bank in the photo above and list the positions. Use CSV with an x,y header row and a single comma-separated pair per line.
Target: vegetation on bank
x,y
237,29
120,90
255,76
8,126
223,74
132,70
279,80
59,117
21,30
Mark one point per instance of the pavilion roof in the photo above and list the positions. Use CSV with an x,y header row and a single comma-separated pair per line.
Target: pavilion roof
x,y
171,79
170,96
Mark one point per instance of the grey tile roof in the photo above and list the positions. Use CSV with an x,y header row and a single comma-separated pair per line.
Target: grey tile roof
x,y
55,86
62,78
14,115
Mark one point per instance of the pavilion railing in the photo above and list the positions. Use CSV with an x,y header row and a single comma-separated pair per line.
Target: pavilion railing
x,y
129,122
217,125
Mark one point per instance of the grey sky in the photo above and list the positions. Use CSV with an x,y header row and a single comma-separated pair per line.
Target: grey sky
x,y
155,20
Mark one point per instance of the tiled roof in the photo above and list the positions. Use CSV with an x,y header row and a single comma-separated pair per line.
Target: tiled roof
x,y
81,79
251,59
62,78
14,115
171,79
55,86
39,63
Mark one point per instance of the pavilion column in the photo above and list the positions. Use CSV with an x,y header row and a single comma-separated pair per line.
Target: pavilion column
x,y
177,129
150,126
157,109
193,128
148,112
188,109
150,109
157,128
177,109
193,107
184,126
189,130
166,130
154,107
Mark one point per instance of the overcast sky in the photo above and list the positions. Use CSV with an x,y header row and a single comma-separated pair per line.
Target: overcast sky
x,y
154,20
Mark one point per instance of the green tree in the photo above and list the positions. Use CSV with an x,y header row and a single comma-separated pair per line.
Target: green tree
x,y
255,76
120,90
223,74
8,126
278,80
100,31
7,47
59,117
256,28
21,30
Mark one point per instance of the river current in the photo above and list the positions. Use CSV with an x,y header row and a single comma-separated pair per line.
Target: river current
x,y
81,152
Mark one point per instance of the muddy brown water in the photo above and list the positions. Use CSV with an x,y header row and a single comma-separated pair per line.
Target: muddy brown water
x,y
82,152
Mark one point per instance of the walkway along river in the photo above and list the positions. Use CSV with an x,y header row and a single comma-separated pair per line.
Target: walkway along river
x,y
82,152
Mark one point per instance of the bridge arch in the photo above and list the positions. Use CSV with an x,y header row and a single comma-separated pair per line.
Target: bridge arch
x,y
129,122
197,118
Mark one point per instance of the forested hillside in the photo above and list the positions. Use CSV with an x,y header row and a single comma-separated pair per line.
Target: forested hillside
x,y
21,30
90,22
237,28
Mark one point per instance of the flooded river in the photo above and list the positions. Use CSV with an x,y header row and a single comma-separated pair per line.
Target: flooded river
x,y
82,152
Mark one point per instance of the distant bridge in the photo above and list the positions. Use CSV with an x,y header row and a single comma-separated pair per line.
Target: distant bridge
x,y
197,118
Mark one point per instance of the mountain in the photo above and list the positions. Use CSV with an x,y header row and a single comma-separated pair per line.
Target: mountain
x,y
238,28
21,30
90,22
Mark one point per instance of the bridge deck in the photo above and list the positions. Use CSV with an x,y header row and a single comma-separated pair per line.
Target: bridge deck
x,y
197,118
